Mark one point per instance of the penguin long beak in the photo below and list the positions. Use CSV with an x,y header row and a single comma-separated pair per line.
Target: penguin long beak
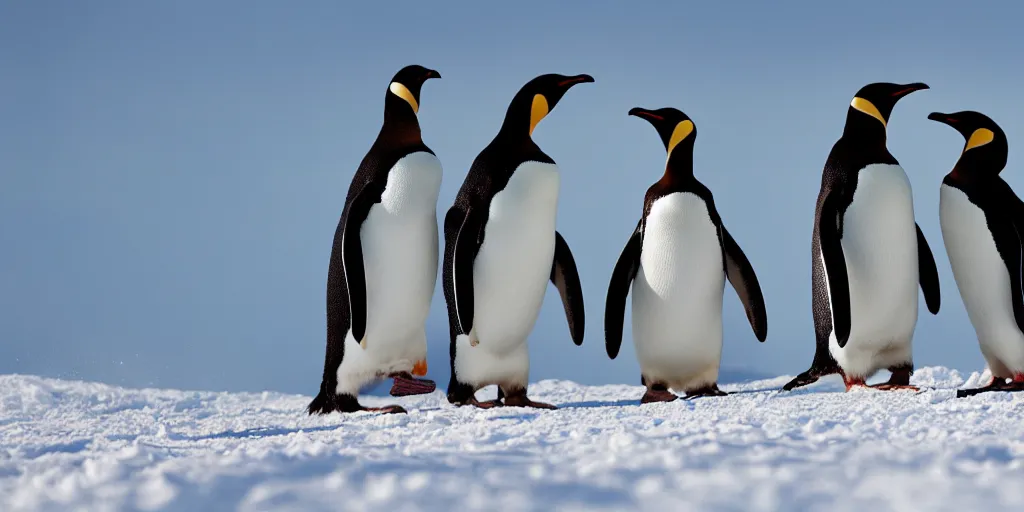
x,y
432,74
643,113
942,118
909,88
573,80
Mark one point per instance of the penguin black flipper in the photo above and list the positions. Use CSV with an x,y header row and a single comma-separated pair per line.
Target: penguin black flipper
x,y
352,257
744,281
835,266
929,274
566,278
625,271
466,245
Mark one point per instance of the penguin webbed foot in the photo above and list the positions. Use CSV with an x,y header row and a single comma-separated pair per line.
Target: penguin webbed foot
x,y
900,379
518,398
809,377
996,384
708,391
326,403
406,385
657,394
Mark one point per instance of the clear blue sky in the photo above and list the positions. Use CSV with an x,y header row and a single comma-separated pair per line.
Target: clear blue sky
x,y
172,172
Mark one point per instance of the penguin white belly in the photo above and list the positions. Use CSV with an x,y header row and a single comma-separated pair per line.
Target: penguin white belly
x,y
880,245
677,295
510,276
400,244
983,281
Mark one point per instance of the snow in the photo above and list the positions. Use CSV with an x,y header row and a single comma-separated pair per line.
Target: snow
x,y
67,445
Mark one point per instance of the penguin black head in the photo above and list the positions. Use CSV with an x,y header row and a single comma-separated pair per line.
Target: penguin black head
x,y
985,147
870,109
674,127
404,88
536,99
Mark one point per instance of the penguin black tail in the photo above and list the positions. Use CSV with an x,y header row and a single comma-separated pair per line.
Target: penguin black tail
x,y
321,404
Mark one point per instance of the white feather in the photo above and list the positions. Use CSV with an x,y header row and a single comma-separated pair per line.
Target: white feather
x,y
677,295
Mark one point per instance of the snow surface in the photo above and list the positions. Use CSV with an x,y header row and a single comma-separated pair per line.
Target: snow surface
x,y
68,445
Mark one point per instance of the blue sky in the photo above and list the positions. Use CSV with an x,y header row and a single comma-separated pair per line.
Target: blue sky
x,y
173,172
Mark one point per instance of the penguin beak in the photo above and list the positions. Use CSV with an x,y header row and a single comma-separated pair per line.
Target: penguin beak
x,y
942,118
573,80
643,113
909,88
431,74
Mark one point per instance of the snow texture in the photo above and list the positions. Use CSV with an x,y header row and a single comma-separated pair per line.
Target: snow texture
x,y
83,446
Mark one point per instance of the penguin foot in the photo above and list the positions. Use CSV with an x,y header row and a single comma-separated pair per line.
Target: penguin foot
x,y
996,384
489,404
894,387
406,385
387,409
657,395
854,382
326,403
522,401
809,377
711,390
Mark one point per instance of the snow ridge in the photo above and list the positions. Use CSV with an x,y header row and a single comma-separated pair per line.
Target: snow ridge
x,y
67,445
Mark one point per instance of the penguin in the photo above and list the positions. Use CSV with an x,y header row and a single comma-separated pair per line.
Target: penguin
x,y
868,254
676,263
501,249
982,222
383,265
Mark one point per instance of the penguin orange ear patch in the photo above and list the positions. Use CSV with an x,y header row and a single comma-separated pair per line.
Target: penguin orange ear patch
x,y
403,92
980,137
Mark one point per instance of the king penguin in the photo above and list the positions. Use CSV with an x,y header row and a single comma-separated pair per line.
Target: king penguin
x,y
501,249
868,254
383,265
677,261
982,225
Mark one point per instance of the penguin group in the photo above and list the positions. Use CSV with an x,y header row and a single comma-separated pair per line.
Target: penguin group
x,y
501,250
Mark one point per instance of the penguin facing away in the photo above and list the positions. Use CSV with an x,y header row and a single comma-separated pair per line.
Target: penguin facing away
x,y
867,252
501,249
676,263
383,265
982,226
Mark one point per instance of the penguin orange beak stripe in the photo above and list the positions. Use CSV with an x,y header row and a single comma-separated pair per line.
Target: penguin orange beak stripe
x,y
420,368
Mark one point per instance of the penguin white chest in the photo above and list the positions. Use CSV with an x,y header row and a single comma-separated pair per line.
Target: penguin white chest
x,y
879,240
677,294
400,253
513,266
983,280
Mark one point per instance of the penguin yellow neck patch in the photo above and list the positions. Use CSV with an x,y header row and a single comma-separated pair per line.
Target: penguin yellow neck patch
x,y
980,137
538,110
679,134
868,108
403,92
